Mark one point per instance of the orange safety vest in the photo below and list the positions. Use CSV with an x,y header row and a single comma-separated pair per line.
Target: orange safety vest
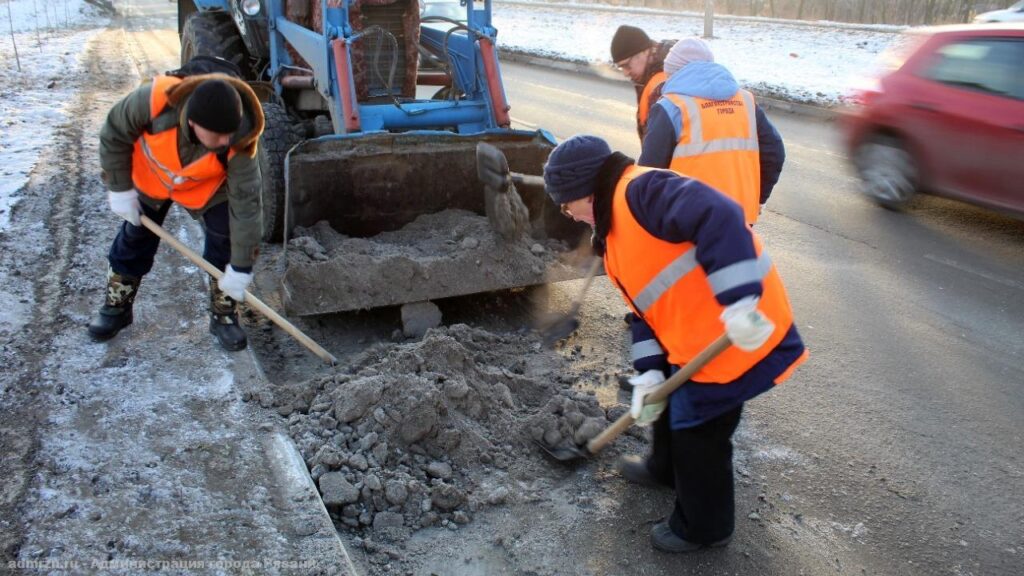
x,y
643,109
718,146
665,285
156,166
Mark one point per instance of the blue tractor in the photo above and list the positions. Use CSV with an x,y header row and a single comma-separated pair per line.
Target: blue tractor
x,y
350,138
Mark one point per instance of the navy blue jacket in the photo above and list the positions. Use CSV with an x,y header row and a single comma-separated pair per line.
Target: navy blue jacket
x,y
711,81
679,209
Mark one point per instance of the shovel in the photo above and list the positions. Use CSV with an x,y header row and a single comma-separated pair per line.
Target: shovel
x,y
562,326
571,452
504,207
249,298
492,169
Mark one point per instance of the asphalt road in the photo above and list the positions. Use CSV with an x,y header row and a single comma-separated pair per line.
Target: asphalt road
x,y
899,443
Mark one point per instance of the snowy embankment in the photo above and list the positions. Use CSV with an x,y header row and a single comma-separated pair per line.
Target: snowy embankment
x,y
49,36
814,63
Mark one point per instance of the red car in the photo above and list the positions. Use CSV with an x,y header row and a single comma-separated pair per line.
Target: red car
x,y
948,118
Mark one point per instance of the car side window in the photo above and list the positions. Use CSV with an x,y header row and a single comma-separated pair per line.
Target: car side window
x,y
992,65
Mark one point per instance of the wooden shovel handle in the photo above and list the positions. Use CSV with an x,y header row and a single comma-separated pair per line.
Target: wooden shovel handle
x,y
249,298
595,265
661,392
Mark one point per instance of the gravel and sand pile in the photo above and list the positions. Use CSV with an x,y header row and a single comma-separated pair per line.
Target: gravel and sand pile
x,y
424,433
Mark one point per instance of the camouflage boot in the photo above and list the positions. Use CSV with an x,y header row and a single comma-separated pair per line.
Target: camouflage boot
x,y
224,320
116,312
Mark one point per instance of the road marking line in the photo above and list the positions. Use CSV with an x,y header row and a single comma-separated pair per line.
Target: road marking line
x,y
533,126
529,125
970,270
602,103
816,150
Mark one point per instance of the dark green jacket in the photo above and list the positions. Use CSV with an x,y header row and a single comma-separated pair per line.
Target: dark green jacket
x,y
126,122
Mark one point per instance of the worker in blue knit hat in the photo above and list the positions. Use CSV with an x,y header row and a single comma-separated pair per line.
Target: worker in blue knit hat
x,y
687,264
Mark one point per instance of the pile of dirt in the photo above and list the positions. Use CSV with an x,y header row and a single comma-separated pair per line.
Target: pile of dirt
x,y
448,253
424,433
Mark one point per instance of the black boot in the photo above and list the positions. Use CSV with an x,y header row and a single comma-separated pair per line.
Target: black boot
x,y
116,312
224,320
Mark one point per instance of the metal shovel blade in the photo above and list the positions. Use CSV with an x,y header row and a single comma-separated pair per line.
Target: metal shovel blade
x,y
566,453
491,166
556,327
560,326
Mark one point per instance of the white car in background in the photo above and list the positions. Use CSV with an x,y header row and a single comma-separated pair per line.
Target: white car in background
x,y
453,9
1014,13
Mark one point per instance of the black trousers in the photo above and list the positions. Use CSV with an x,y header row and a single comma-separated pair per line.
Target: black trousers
x,y
698,463
134,248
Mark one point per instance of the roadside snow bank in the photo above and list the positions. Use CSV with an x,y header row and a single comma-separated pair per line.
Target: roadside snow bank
x,y
810,64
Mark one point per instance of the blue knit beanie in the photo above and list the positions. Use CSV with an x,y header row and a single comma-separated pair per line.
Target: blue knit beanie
x,y
572,168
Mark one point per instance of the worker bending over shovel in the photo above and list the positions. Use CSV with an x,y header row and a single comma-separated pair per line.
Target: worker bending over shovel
x,y
686,263
191,141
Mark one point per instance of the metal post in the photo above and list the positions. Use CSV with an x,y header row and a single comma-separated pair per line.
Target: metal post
x,y
709,19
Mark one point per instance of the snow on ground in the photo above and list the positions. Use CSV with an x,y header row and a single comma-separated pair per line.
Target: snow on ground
x,y
49,35
790,60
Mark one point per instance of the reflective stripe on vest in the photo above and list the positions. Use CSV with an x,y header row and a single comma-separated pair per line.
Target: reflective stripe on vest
x,y
645,349
156,165
732,276
697,144
643,109
666,287
720,149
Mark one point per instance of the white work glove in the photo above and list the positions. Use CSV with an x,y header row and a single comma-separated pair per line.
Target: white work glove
x,y
125,204
233,283
643,385
747,327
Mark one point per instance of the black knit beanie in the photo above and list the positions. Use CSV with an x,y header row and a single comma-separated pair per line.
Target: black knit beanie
x,y
216,106
628,41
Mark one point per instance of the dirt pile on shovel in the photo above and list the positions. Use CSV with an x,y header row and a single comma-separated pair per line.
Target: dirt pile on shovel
x,y
428,433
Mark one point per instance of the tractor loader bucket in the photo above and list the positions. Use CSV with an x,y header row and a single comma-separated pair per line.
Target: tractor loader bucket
x,y
384,219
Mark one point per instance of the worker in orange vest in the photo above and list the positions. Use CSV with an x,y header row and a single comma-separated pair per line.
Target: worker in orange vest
x,y
688,265
705,126
640,59
190,141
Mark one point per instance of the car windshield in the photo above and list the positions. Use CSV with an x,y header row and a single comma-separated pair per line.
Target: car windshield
x,y
989,65
1019,6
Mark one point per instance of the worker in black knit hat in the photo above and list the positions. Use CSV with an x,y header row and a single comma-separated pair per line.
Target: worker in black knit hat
x,y
215,106
192,141
641,60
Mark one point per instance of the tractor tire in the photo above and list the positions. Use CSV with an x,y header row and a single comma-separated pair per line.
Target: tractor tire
x,y
279,135
214,34
186,8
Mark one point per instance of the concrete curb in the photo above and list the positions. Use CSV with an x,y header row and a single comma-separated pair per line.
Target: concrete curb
x,y
296,492
605,72
298,487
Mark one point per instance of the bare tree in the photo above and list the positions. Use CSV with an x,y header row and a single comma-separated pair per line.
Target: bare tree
x,y
35,17
10,20
709,19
